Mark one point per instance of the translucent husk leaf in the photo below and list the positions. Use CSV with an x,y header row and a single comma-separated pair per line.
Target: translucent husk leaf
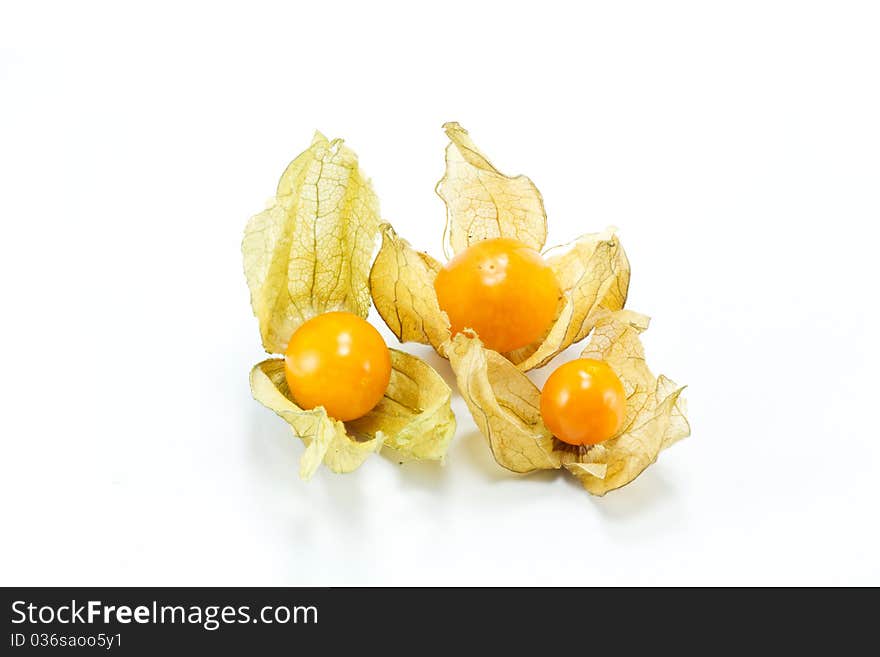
x,y
402,284
414,417
506,407
593,273
679,427
481,202
655,416
326,439
309,252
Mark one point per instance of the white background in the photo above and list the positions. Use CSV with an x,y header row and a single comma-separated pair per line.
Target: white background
x,y
735,145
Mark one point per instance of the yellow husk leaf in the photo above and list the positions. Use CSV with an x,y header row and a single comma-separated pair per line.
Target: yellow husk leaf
x,y
482,203
593,273
655,417
414,417
310,251
506,407
326,439
402,284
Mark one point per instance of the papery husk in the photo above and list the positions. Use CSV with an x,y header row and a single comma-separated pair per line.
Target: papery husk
x,y
309,252
414,417
482,203
505,405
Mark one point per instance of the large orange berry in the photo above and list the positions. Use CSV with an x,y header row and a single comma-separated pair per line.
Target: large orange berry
x,y
339,361
502,289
